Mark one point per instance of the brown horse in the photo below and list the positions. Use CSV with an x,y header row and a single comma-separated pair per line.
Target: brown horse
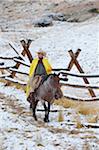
x,y
49,90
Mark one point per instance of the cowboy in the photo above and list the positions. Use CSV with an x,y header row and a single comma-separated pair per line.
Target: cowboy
x,y
39,69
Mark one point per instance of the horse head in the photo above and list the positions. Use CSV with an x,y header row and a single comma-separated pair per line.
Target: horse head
x,y
54,81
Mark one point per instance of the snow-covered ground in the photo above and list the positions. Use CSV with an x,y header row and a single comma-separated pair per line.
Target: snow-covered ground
x,y
56,41
18,130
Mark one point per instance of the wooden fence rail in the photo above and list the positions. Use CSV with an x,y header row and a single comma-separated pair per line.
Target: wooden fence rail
x,y
20,60
81,75
85,86
81,99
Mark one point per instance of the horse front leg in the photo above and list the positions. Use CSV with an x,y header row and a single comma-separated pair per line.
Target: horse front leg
x,y
34,104
47,110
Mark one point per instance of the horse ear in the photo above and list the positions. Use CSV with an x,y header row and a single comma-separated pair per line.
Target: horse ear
x,y
54,74
51,76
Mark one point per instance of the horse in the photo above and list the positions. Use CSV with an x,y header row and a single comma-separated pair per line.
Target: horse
x,y
48,91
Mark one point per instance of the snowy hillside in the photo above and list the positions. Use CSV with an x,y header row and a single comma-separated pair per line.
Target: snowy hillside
x,y
56,41
18,130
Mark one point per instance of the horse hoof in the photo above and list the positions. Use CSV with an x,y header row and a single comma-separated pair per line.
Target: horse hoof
x,y
35,118
46,120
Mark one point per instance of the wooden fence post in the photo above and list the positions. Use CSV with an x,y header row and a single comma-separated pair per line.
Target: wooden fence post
x,y
24,52
74,61
26,46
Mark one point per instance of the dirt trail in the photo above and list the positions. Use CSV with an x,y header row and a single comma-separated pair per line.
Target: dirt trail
x,y
17,122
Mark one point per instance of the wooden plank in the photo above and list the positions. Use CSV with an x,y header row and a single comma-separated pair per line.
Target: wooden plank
x,y
7,58
15,81
81,75
81,71
23,53
55,110
16,67
19,55
91,125
4,75
70,64
94,99
5,67
21,62
17,71
72,60
86,86
26,48
59,69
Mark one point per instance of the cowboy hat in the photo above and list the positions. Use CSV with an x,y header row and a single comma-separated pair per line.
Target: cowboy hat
x,y
41,52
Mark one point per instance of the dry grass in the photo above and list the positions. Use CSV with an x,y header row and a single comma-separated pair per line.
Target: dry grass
x,y
88,108
17,85
66,103
60,116
84,108
92,118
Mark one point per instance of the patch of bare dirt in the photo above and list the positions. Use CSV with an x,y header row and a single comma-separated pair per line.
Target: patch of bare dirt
x,y
79,12
15,14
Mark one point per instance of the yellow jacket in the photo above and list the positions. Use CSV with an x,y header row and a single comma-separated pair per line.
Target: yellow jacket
x,y
33,65
46,64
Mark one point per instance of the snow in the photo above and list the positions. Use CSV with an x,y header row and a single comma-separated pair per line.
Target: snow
x,y
18,130
5,75
16,70
77,1
81,98
69,36
15,80
23,62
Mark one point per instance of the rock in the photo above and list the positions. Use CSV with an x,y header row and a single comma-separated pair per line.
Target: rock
x,y
94,10
71,19
57,16
43,22
46,20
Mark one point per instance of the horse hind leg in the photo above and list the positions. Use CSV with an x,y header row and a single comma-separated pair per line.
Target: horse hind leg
x,y
47,110
34,104
30,98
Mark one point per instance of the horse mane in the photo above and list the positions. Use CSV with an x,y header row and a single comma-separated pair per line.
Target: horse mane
x,y
49,76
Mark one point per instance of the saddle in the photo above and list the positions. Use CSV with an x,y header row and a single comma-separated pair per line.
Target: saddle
x,y
35,82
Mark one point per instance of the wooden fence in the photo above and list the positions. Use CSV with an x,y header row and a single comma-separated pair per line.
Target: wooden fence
x,y
11,70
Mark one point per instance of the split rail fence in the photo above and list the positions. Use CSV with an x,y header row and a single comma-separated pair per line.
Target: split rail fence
x,y
12,70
